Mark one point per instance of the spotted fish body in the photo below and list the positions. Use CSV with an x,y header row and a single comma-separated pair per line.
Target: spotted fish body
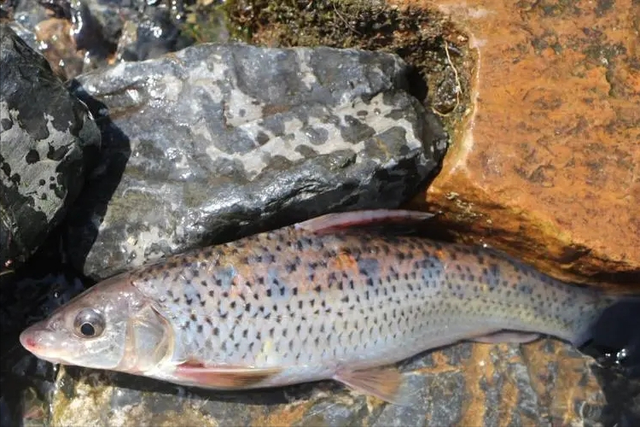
x,y
296,305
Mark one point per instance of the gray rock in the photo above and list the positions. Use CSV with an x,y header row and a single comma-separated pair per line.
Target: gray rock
x,y
219,141
48,142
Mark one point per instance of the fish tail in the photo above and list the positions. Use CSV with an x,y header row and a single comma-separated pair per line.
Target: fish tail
x,y
613,339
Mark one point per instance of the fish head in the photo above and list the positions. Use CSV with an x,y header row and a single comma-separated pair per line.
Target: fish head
x,y
110,326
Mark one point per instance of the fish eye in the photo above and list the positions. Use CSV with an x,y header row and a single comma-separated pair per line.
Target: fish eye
x,y
88,323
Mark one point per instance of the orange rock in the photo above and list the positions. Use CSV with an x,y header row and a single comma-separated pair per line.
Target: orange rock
x,y
59,48
546,165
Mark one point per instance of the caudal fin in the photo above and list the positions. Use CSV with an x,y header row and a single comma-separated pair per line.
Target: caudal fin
x,y
613,340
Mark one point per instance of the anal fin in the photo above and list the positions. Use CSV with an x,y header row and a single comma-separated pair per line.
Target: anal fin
x,y
340,221
387,384
507,337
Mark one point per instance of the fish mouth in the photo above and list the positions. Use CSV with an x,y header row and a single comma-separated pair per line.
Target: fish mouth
x,y
34,340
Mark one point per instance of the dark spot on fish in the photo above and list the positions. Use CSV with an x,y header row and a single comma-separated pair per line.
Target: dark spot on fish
x,y
527,289
199,328
193,317
258,336
271,332
245,333
318,288
291,267
312,303
261,280
233,304
282,291
295,291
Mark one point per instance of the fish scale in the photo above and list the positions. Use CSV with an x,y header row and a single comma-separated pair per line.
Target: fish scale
x,y
285,299
317,300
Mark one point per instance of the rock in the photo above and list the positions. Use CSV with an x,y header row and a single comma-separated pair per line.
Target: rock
x,y
49,141
219,141
152,36
543,383
79,36
25,34
547,164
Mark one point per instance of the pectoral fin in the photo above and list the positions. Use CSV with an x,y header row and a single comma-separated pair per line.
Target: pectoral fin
x,y
339,221
223,377
387,384
507,336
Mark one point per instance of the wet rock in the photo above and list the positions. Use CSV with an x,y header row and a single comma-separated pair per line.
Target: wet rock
x,y
546,164
77,36
24,33
545,383
49,141
154,35
219,141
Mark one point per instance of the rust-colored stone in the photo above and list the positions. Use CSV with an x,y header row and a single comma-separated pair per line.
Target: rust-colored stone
x,y
59,47
546,165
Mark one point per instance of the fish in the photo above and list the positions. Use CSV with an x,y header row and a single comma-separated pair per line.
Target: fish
x,y
330,298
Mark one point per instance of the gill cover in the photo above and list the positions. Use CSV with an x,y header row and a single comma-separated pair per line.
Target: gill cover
x,y
149,340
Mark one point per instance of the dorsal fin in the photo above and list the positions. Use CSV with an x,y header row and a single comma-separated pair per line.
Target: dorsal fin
x,y
339,221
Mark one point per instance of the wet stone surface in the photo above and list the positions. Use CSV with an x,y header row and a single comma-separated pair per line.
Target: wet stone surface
x,y
79,36
49,142
218,141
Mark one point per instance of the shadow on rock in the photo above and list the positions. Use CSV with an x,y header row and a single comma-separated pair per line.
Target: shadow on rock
x,y
623,397
92,203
